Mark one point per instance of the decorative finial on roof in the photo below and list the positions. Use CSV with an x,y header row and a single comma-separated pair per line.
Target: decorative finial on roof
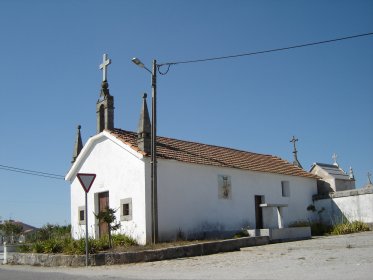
x,y
78,144
369,175
351,175
144,128
334,157
295,161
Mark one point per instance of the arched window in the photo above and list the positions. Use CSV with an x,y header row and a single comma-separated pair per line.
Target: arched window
x,y
102,117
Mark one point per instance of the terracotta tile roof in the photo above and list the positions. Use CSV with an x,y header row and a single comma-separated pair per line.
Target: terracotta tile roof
x,y
197,153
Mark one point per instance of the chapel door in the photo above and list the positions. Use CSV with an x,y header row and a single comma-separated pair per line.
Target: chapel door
x,y
103,204
258,212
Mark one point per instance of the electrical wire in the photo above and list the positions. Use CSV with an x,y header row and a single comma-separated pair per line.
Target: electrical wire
x,y
169,64
260,52
31,172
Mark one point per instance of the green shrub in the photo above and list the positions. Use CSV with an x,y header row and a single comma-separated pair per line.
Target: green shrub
x,y
52,246
70,247
108,216
347,227
54,239
123,240
37,247
74,247
241,233
78,246
97,245
49,231
24,248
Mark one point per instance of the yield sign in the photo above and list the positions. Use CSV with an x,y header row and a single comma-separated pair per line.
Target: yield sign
x,y
86,180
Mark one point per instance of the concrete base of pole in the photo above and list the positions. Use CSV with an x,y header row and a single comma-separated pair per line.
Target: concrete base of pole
x,y
5,261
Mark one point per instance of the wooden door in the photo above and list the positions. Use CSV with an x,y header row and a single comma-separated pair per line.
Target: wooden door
x,y
103,204
258,212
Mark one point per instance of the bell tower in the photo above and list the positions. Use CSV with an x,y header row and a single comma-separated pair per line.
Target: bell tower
x,y
105,103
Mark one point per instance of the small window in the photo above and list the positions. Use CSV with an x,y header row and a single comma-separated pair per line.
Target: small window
x,y
81,215
225,187
285,189
126,209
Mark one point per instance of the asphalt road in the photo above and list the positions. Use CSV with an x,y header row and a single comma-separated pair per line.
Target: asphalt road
x,y
27,275
335,257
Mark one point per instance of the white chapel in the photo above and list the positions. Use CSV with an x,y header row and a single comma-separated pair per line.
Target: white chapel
x,y
202,190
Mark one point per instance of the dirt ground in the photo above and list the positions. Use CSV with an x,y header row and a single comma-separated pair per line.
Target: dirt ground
x,y
333,257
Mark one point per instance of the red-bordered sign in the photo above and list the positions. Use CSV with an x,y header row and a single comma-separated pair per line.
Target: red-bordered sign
x,y
86,180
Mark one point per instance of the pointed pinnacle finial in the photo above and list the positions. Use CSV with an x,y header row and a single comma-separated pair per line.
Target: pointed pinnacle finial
x,y
144,127
78,144
369,175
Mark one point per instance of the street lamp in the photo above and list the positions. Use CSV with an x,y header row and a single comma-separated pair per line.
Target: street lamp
x,y
153,150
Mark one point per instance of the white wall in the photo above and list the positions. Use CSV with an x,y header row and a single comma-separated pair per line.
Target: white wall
x,y
188,198
356,205
120,172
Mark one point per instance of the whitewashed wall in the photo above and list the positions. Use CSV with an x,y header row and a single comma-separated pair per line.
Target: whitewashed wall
x,y
188,198
122,173
354,205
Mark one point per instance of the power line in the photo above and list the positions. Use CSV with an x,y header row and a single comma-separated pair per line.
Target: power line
x,y
31,172
260,52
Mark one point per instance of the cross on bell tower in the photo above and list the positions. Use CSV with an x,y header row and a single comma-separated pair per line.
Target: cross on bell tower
x,y
105,103
103,66
295,161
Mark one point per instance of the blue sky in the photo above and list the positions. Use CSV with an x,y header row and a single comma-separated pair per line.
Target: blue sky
x,y
50,81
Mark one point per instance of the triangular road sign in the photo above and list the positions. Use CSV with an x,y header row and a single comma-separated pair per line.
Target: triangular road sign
x,y
86,180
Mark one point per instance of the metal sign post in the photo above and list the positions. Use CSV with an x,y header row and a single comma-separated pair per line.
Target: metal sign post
x,y
86,180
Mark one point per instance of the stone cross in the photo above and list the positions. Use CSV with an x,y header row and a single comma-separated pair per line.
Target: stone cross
x,y
294,140
334,157
296,161
105,63
351,176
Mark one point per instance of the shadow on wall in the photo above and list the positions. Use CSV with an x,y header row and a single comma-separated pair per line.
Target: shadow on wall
x,y
328,212
205,231
323,187
350,205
